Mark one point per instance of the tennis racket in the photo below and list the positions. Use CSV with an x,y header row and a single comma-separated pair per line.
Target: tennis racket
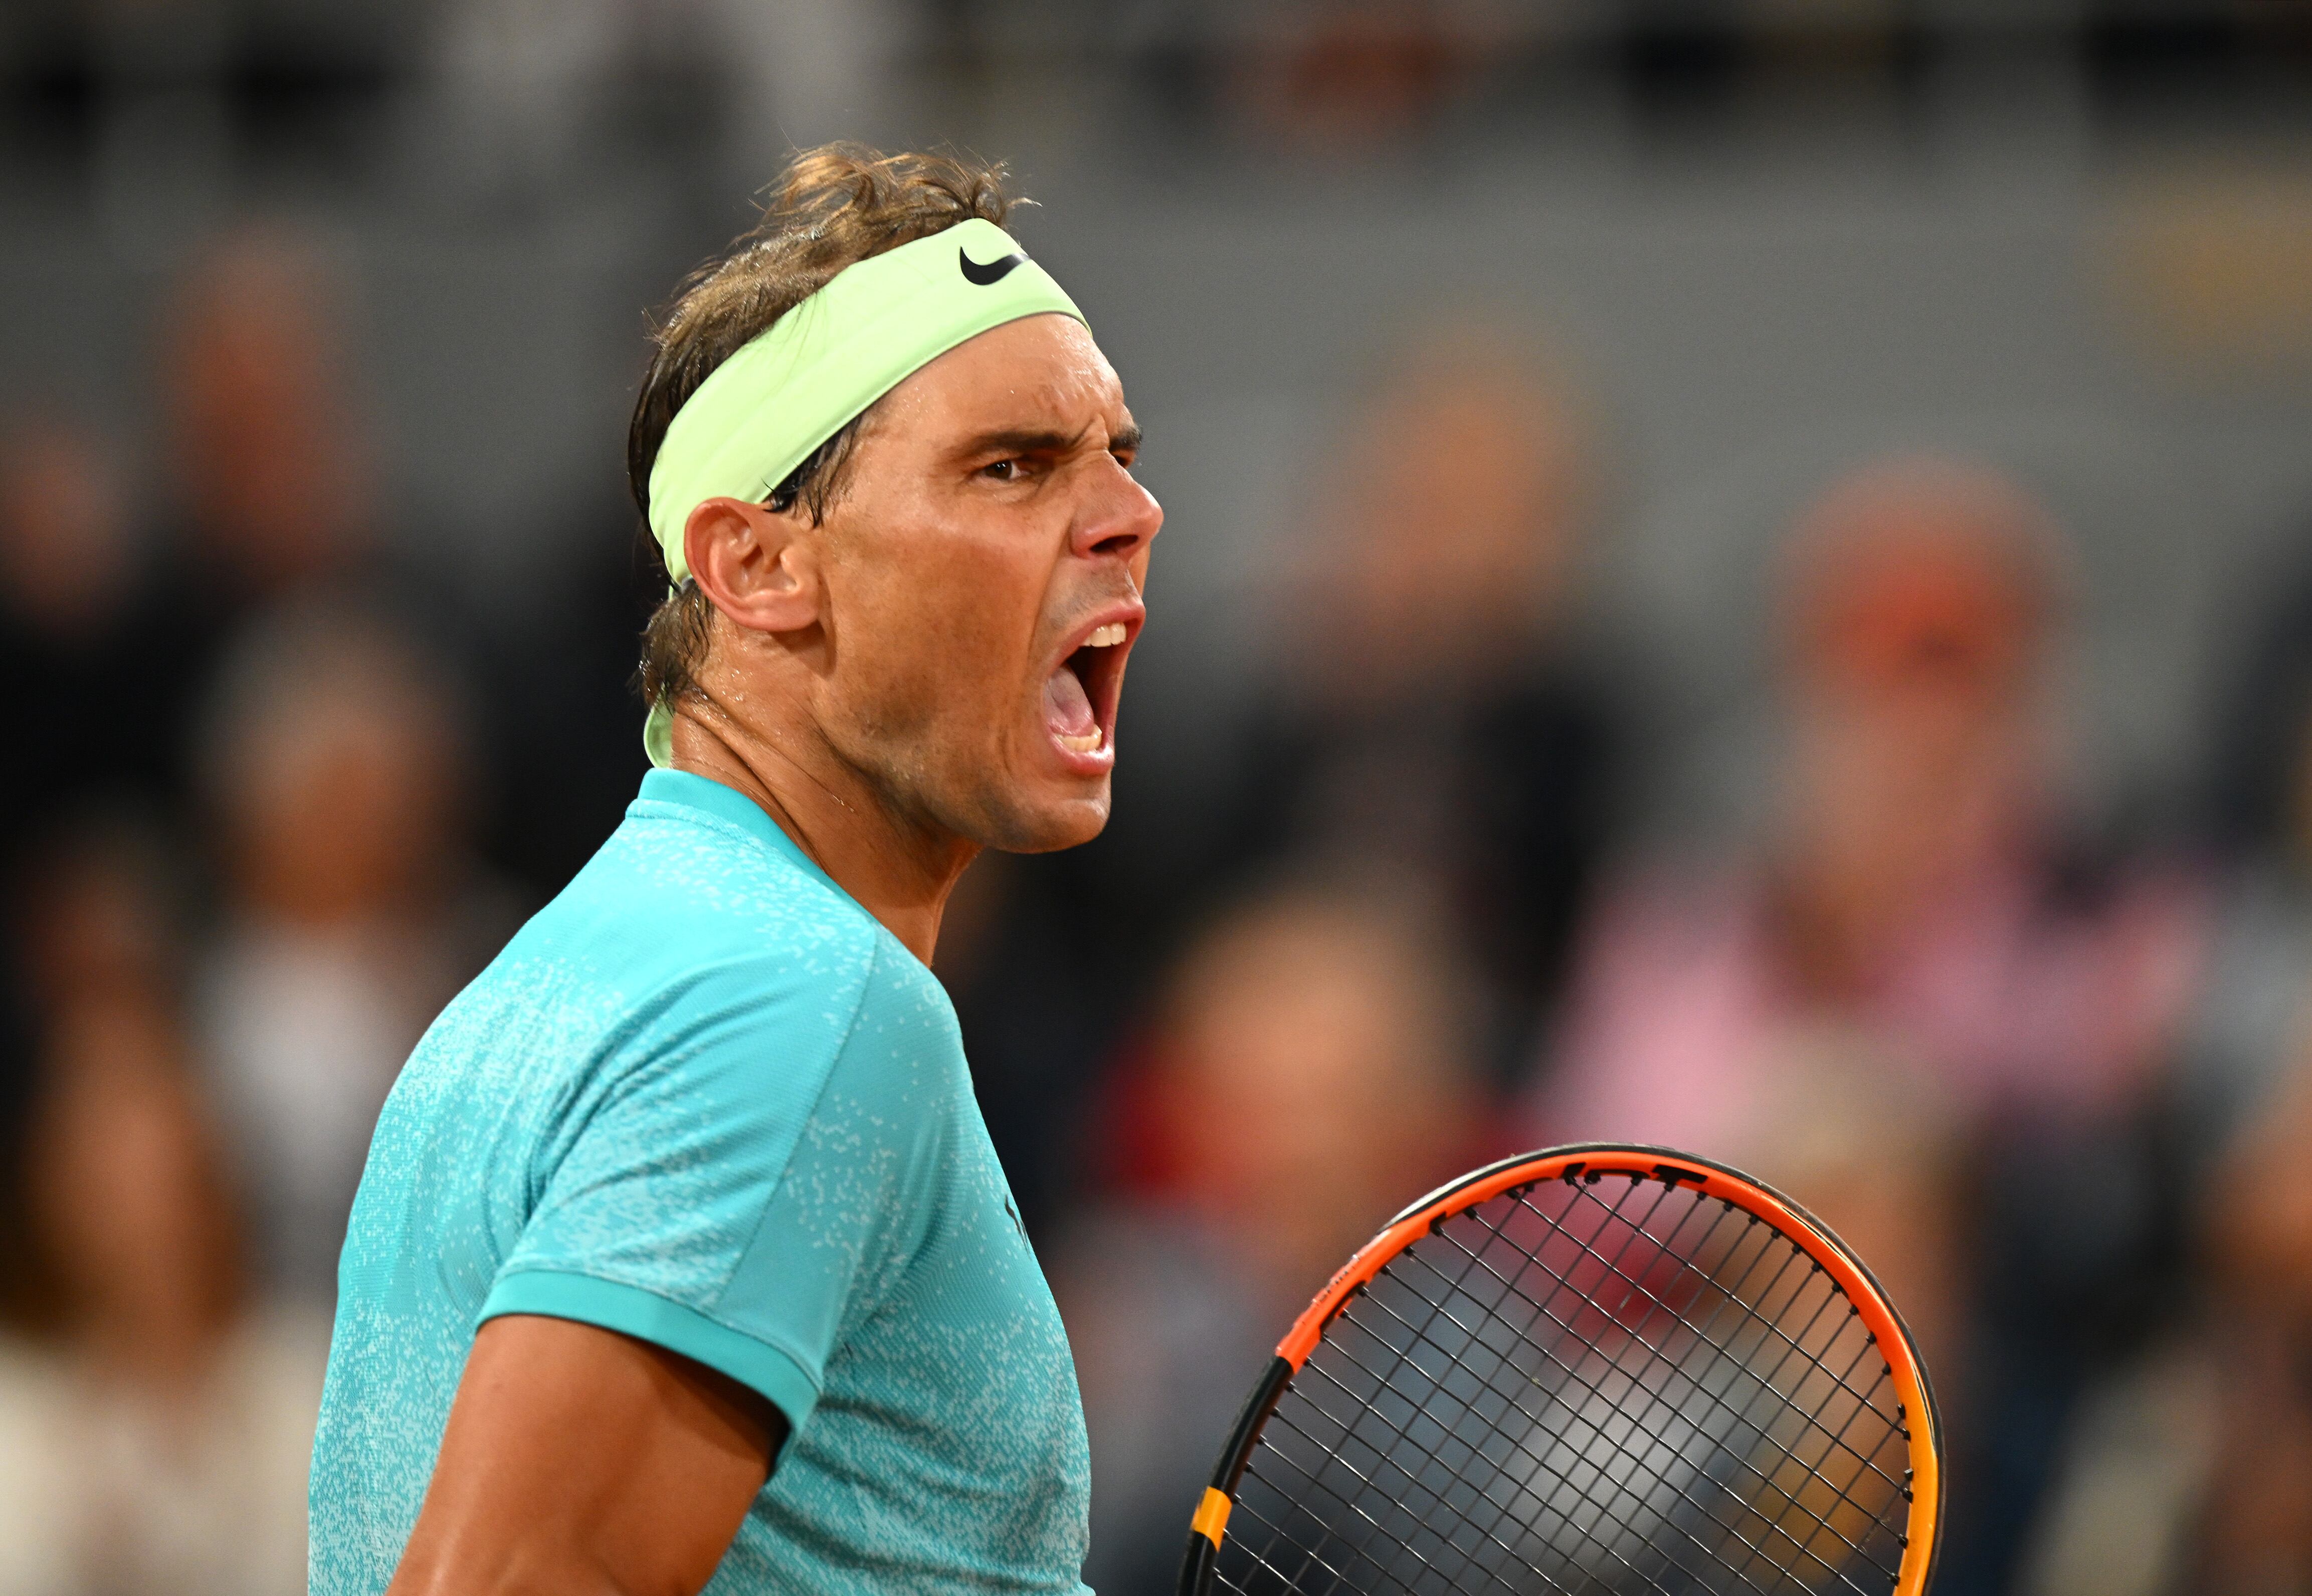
x,y
1596,1371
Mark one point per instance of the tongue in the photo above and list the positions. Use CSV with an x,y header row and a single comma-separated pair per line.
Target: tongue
x,y
1066,710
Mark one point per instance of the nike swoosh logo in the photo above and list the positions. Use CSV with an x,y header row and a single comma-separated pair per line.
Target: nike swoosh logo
x,y
993,272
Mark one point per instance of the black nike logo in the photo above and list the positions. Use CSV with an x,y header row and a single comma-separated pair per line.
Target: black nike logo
x,y
994,271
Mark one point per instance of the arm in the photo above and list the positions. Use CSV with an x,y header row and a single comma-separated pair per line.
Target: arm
x,y
582,1462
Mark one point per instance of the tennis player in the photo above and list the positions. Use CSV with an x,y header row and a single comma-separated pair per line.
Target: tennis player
x,y
682,1260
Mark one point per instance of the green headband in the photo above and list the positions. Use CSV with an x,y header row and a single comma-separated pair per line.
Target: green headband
x,y
761,412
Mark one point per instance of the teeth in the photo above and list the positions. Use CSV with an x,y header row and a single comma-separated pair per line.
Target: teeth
x,y
1085,744
1108,637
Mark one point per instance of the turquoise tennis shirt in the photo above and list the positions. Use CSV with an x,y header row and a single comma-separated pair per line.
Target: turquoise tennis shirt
x,y
705,1098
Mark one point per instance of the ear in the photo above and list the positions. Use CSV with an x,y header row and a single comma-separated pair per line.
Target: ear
x,y
756,565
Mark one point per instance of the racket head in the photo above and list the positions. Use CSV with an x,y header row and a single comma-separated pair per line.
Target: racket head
x,y
1600,1368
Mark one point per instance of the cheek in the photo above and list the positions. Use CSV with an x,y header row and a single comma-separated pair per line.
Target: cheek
x,y
949,629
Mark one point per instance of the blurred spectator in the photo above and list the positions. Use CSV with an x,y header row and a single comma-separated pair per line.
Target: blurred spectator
x,y
1427,707
2191,1468
279,497
96,906
1920,884
1352,77
69,589
2190,1473
1043,1007
526,95
274,478
155,1418
351,913
93,909
2252,1531
272,468
2252,1016
1850,1128
1924,901
89,726
1310,1076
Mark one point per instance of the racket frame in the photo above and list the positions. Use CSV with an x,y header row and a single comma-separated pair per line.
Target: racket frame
x,y
1590,1162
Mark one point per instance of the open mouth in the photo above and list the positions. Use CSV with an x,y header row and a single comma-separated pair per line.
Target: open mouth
x,y
1080,697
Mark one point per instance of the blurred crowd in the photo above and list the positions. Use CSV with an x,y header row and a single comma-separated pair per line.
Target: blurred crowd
x,y
240,882
283,783
2041,1070
2048,1077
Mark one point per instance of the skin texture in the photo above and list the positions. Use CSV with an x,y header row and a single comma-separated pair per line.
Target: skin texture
x,y
877,683
581,1462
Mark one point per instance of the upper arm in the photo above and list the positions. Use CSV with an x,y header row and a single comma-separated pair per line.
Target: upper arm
x,y
750,1185
734,1200
578,1460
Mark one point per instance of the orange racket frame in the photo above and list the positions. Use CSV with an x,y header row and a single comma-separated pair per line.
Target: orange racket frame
x,y
1590,1161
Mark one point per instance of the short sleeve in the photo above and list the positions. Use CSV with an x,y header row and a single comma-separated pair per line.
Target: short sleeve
x,y
748,1186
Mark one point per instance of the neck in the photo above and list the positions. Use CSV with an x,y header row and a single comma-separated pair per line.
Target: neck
x,y
898,869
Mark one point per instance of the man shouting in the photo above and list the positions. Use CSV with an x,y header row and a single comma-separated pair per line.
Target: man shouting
x,y
682,1261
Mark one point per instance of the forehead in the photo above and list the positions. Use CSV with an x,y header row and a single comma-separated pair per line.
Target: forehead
x,y
1043,370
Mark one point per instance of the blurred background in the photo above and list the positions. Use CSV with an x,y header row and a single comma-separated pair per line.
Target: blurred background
x,y
1738,573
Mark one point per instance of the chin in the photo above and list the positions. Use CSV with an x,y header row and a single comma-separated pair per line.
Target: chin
x,y
1044,825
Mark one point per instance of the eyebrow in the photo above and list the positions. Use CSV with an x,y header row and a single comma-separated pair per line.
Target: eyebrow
x,y
1045,441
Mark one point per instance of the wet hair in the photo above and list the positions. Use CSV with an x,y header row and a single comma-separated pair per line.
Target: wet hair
x,y
833,208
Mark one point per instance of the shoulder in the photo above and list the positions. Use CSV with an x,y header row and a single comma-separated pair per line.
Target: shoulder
x,y
793,1030
900,993
681,910
678,872
723,952
902,1048
688,962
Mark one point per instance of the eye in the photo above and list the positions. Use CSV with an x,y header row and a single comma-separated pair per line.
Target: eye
x,y
1000,470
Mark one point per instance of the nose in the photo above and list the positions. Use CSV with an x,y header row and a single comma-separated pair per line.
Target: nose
x,y
1118,518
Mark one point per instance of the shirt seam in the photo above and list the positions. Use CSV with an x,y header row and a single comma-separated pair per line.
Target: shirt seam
x,y
801,1364
816,875
636,1023
812,871
809,1118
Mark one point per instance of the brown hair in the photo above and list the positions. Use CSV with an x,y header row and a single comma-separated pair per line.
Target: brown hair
x,y
834,207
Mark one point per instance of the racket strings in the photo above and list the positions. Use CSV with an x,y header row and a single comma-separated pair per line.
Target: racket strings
x,y
1360,1550
1615,1267
1401,1433
1622,1269
1490,1533
1343,1570
1618,1268
1535,1418
1792,1256
1742,1417
1611,1405
1487,1531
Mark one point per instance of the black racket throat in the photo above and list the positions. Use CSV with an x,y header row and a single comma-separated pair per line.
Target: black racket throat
x,y
1204,1547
